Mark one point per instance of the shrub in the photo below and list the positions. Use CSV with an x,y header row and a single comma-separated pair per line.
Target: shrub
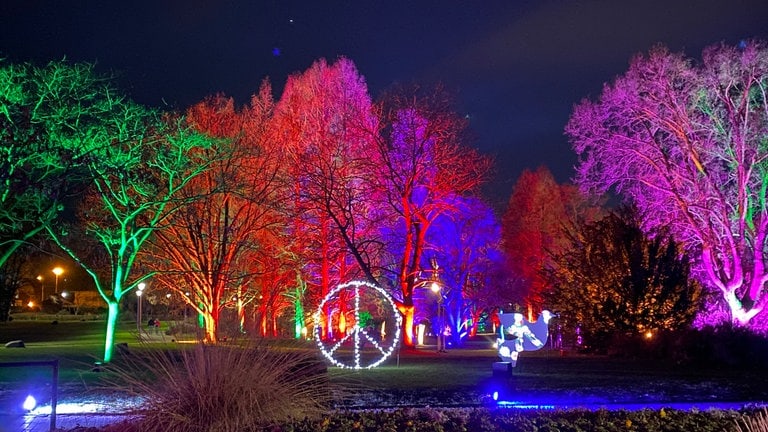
x,y
216,388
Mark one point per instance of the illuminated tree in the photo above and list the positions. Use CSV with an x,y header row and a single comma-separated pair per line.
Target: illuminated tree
x,y
686,142
421,165
327,125
48,116
614,279
208,247
533,224
538,218
467,246
134,169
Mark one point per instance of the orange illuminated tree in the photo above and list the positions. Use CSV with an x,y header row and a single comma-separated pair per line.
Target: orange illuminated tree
x,y
206,249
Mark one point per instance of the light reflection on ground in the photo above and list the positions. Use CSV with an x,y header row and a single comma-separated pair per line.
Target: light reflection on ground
x,y
111,409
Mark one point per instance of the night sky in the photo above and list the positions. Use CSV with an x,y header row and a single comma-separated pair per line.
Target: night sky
x,y
517,67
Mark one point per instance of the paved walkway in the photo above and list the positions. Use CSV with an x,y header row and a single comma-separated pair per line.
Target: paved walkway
x,y
42,423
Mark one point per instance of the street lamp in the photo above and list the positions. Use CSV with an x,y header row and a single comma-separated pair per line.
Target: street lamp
x,y
440,313
139,292
42,288
57,271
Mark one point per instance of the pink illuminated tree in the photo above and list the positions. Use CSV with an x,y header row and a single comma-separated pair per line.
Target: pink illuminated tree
x,y
326,125
686,141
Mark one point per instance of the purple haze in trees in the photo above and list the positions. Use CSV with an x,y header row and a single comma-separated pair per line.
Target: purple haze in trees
x,y
465,243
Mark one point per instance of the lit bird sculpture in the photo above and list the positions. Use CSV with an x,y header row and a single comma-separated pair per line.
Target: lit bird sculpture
x,y
517,335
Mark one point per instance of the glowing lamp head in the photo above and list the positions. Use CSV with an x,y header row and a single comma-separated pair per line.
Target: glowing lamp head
x,y
29,403
649,334
57,271
435,287
142,285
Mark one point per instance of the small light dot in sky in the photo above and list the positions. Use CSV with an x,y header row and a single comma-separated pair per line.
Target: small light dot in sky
x,y
276,52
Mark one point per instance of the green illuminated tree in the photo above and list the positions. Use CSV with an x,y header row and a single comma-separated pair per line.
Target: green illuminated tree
x,y
46,117
131,161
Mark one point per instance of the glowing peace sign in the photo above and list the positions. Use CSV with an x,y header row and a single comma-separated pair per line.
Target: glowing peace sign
x,y
372,313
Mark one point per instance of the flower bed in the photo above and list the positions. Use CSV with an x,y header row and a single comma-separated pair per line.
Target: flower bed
x,y
493,420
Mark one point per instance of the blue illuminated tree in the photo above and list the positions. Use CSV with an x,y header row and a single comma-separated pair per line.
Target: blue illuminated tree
x,y
467,247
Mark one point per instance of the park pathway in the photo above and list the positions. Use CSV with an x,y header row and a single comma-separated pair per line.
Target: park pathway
x,y
42,423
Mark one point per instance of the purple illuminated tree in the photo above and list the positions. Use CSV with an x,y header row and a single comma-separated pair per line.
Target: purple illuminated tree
x,y
422,165
686,141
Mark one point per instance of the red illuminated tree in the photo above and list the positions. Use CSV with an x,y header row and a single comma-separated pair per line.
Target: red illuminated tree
x,y
327,126
422,164
209,247
532,224
685,140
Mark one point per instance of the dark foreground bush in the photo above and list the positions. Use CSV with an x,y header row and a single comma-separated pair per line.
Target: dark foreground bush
x,y
228,388
487,420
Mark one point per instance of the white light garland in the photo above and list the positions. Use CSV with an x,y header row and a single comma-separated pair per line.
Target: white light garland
x,y
358,334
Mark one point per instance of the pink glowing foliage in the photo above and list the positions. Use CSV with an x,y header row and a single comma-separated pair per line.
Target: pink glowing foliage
x,y
686,141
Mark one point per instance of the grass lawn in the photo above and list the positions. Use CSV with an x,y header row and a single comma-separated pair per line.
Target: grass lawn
x,y
411,375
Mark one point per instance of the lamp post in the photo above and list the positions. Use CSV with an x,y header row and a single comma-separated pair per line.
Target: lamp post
x,y
57,271
139,292
440,313
42,288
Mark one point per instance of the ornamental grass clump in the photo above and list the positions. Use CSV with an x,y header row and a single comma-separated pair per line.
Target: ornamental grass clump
x,y
222,388
756,421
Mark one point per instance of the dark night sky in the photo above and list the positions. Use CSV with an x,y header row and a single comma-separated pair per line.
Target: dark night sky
x,y
516,66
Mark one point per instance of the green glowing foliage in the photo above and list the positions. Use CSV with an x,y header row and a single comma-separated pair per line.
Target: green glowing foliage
x,y
50,118
66,130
